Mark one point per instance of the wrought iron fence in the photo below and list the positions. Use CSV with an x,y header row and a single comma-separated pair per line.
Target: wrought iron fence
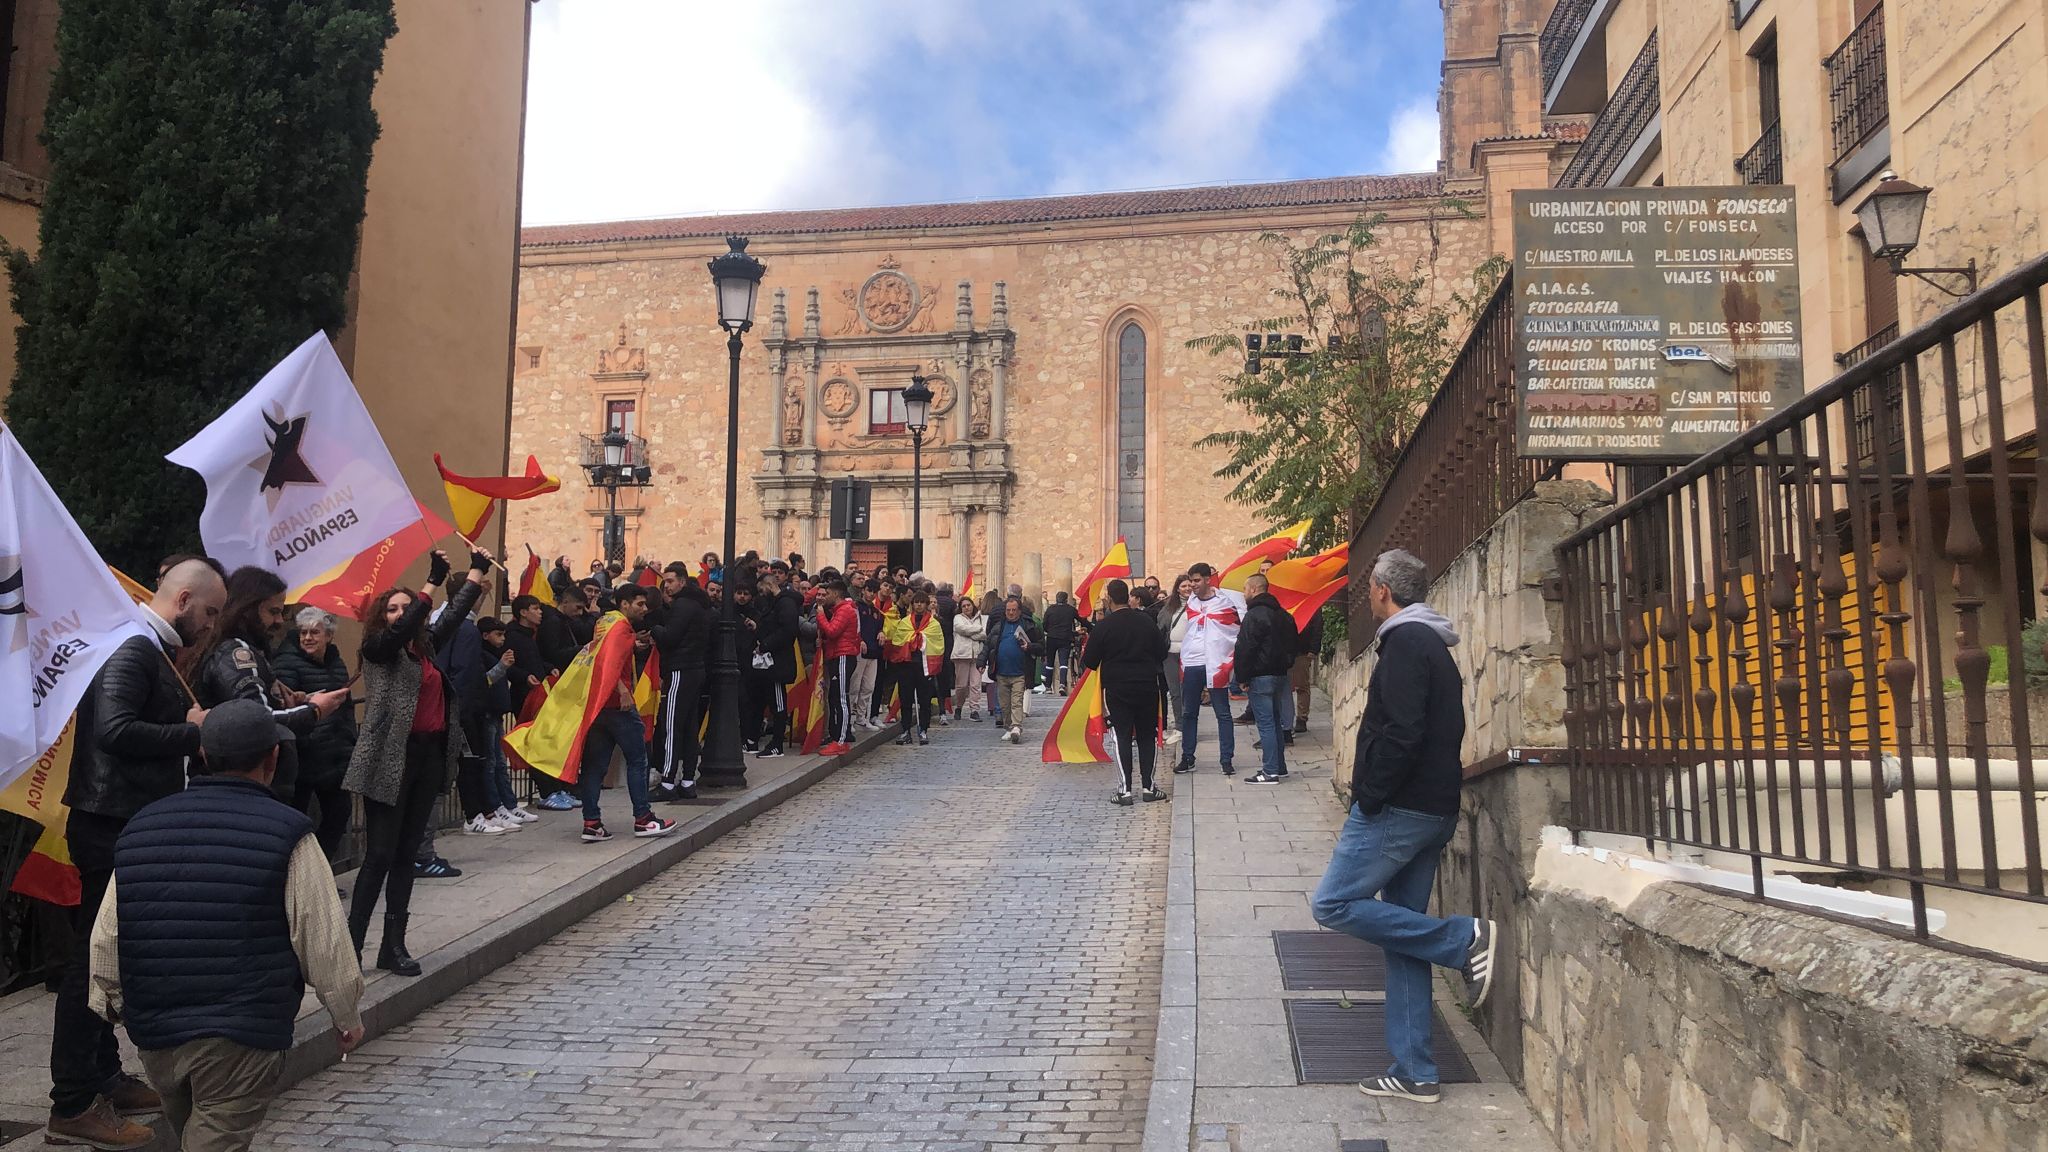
x,y
1459,472
1764,163
1857,103
1828,701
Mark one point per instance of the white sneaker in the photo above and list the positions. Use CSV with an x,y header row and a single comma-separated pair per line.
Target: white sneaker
x,y
480,826
517,817
1016,735
1038,689
504,822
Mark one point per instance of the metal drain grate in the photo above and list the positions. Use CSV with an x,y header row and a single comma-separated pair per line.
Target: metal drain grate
x,y
1329,961
1373,1145
1338,1045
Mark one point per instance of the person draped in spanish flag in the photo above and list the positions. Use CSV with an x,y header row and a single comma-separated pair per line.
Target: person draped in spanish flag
x,y
1207,652
924,646
592,709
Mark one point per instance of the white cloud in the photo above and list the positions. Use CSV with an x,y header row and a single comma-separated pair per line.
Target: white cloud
x,y
1224,67
1414,139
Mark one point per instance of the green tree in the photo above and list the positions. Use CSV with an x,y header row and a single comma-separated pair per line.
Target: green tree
x,y
209,163
1324,424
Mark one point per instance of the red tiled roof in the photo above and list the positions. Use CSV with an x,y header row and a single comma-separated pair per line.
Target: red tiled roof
x,y
1220,198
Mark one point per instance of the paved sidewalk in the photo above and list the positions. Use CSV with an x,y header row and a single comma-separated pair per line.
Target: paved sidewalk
x,y
1243,862
517,890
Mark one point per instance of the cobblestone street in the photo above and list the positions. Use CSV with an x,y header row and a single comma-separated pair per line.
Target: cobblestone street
x,y
950,947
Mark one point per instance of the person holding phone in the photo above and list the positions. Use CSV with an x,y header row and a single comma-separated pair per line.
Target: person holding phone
x,y
308,663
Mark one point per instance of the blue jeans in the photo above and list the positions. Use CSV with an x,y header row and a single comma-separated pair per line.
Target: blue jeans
x,y
1192,681
614,727
497,772
1377,888
1267,693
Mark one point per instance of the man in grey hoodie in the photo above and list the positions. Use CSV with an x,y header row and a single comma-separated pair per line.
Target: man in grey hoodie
x,y
1404,810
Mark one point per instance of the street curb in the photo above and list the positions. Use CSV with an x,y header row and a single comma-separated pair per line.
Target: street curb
x,y
1170,1113
468,959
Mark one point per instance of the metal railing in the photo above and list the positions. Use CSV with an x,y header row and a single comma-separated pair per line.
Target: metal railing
x,y
1857,104
1828,703
593,452
1764,163
1889,392
1559,33
1459,472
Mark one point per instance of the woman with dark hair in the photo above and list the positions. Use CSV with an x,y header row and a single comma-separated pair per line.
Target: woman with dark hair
x,y
235,665
409,747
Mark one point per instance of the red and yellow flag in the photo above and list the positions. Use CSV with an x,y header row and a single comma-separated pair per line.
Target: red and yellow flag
x,y
533,581
1304,584
1076,734
1115,565
552,742
1277,547
967,588
472,498
807,702
347,589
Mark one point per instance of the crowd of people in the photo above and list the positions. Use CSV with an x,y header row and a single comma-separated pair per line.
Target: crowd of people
x,y
235,725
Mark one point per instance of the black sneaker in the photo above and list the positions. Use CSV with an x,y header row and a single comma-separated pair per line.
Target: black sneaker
x,y
768,754
922,738
903,739
1265,778
1123,800
1184,767
1153,795
435,869
1229,771
1301,727
1402,1089
1479,962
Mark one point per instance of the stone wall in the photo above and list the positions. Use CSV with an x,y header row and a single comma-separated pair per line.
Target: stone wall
x,y
1664,1016
635,322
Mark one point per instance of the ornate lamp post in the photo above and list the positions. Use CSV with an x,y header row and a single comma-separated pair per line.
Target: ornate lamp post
x,y
917,411
737,277
1891,216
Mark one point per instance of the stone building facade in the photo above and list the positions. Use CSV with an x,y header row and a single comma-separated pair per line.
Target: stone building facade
x,y
1054,332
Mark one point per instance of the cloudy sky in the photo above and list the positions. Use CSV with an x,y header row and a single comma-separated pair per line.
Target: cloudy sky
x,y
670,107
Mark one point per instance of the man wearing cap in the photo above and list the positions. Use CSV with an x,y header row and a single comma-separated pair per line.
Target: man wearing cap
x,y
221,910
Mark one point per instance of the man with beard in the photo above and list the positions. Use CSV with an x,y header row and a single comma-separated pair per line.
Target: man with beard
x,y
136,726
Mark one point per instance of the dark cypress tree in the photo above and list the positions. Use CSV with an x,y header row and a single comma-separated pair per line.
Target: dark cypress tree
x,y
208,168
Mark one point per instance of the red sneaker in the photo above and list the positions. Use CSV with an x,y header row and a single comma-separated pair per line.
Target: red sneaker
x,y
652,825
835,749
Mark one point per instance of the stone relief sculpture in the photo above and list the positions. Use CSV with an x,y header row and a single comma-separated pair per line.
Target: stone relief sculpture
x,y
979,399
793,414
838,398
888,301
942,394
620,359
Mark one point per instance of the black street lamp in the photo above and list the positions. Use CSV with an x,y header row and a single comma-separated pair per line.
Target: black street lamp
x,y
737,277
1891,217
917,411
609,466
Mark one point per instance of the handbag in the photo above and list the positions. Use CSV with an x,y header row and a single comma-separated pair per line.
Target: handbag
x,y
763,662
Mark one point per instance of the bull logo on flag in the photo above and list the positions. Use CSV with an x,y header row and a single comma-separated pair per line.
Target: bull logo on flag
x,y
13,603
283,464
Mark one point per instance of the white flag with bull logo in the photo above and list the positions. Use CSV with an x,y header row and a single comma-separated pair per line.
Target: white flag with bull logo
x,y
298,480
62,613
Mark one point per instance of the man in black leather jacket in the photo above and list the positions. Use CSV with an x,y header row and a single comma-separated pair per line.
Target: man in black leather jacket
x,y
136,726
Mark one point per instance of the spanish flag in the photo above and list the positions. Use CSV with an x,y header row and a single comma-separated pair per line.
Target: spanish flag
x,y
348,588
472,498
1303,585
1076,735
1116,565
967,588
533,581
1277,547
552,741
807,702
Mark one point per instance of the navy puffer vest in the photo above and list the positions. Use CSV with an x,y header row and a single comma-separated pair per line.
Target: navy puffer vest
x,y
205,946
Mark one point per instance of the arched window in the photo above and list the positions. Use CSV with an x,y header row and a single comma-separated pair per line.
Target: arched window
x,y
1130,442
